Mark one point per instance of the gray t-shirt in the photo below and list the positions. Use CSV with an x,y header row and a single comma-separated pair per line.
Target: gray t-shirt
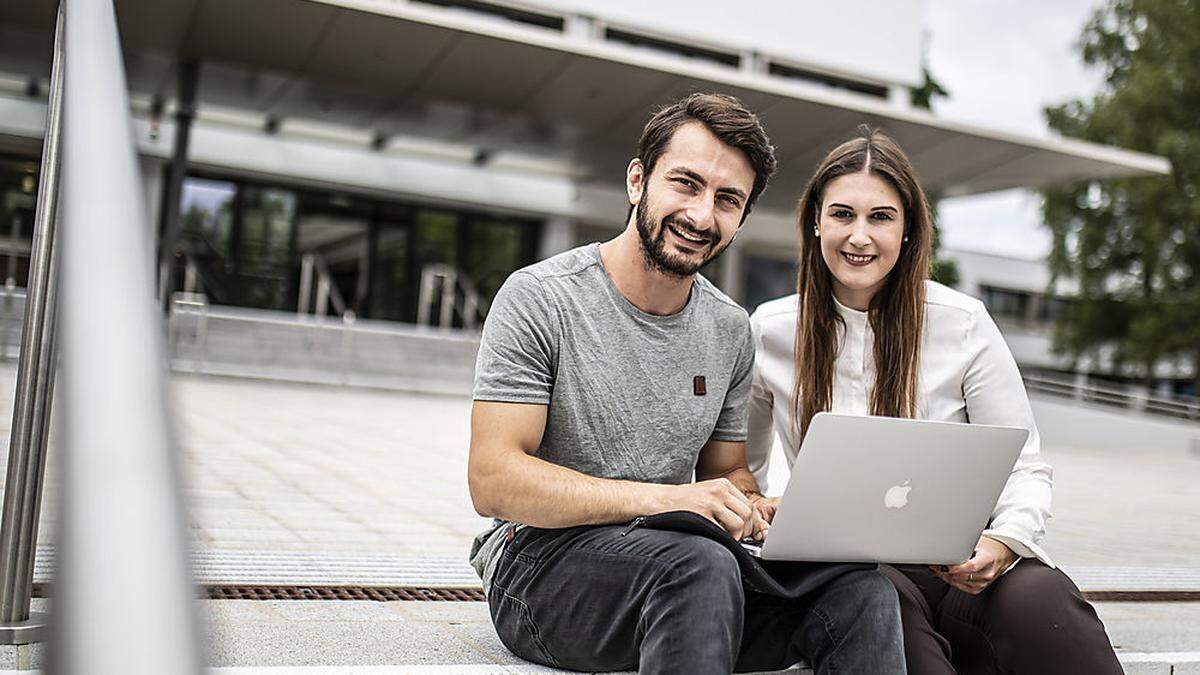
x,y
630,395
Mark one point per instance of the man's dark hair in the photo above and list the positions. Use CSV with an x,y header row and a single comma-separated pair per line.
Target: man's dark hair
x,y
730,121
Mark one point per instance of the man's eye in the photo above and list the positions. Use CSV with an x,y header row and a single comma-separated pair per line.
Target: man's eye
x,y
686,183
730,200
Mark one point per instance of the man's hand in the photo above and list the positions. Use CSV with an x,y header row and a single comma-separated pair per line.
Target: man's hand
x,y
719,501
990,560
765,507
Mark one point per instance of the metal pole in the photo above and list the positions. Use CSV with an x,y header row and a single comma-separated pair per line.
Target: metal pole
x,y
306,277
189,72
35,388
124,600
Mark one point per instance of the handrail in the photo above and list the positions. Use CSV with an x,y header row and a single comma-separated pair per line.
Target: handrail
x,y
1177,406
451,280
326,292
35,386
124,600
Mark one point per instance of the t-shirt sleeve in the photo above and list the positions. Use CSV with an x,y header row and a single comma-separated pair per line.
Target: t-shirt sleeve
x,y
518,350
731,425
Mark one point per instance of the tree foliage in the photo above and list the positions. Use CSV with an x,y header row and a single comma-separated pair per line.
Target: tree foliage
x,y
942,270
1133,244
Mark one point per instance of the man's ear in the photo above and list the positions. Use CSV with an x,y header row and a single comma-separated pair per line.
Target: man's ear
x,y
635,180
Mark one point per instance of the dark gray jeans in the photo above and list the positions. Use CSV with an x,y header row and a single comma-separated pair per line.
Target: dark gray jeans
x,y
595,599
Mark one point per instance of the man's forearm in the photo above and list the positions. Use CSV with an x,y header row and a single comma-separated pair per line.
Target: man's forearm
x,y
741,478
529,490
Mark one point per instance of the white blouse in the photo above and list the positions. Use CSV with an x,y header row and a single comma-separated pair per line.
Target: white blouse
x,y
967,374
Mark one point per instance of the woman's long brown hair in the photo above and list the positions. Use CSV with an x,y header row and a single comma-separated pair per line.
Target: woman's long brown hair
x,y
897,311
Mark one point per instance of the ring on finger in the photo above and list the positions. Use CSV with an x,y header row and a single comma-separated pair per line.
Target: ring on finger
x,y
971,576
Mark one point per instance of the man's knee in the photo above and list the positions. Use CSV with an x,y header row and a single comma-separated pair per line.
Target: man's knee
x,y
704,561
870,598
704,572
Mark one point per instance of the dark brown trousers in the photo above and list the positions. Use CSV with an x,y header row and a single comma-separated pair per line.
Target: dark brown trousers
x,y
1031,620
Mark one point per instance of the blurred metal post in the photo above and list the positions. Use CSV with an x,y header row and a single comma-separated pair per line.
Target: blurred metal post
x,y
124,600
189,74
306,277
35,389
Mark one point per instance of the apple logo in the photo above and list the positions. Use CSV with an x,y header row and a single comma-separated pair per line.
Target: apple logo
x,y
897,496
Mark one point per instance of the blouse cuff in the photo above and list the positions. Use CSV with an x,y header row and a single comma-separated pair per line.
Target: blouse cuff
x,y
1022,546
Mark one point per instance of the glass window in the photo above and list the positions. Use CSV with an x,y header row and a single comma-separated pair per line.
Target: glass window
x,y
18,201
248,241
264,248
205,226
1052,309
1005,303
393,294
436,237
768,278
495,249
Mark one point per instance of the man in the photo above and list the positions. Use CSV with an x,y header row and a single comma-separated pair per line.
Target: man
x,y
607,377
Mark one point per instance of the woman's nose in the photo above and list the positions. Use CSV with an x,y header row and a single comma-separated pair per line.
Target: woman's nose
x,y
858,233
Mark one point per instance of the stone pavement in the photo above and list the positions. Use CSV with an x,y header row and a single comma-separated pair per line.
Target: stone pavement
x,y
273,466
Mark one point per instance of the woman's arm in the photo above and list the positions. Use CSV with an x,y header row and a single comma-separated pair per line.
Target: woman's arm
x,y
760,429
994,394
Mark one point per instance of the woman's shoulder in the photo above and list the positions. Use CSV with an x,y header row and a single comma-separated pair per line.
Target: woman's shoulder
x,y
778,311
946,304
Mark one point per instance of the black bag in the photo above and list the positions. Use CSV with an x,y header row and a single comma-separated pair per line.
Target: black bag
x,y
791,580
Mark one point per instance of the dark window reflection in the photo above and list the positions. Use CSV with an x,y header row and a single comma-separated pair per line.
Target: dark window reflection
x,y
768,278
18,199
248,242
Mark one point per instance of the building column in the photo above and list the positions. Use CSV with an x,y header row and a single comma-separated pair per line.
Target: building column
x,y
558,235
732,274
189,75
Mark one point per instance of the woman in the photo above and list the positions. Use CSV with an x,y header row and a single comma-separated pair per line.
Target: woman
x,y
868,333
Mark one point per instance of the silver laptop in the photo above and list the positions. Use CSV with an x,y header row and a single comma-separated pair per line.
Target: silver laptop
x,y
881,489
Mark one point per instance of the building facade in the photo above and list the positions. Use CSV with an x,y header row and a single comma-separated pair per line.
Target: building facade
x,y
377,139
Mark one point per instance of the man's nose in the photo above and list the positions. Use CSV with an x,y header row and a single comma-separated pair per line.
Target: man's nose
x,y
700,213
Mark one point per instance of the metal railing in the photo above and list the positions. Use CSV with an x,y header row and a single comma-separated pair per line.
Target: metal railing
x,y
1183,407
35,388
443,284
327,293
268,344
123,593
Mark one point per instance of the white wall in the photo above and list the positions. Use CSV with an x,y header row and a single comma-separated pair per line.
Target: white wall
x,y
872,39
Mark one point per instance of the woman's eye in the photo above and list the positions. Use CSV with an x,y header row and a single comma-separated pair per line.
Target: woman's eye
x,y
842,213
882,215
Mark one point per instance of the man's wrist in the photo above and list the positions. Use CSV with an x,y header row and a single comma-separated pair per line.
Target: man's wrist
x,y
654,498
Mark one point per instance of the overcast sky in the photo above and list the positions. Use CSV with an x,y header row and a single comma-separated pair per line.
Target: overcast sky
x,y
1002,62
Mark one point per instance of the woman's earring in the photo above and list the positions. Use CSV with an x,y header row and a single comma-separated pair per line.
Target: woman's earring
x,y
906,238
816,232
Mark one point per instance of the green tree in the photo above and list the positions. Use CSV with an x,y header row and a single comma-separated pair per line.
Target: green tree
x,y
1133,244
943,270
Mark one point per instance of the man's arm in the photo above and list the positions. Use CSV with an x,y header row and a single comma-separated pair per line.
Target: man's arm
x,y
727,460
508,482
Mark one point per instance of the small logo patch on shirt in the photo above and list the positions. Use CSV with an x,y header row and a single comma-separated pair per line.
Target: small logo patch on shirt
x,y
699,388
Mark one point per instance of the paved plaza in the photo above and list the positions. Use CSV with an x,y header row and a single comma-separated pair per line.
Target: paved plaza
x,y
283,467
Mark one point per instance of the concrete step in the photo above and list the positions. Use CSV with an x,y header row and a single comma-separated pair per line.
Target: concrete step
x,y
229,567
321,637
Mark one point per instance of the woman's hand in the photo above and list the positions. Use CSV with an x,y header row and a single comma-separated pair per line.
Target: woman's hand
x,y
764,508
991,559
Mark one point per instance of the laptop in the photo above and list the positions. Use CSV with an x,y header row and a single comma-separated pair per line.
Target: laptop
x,y
883,489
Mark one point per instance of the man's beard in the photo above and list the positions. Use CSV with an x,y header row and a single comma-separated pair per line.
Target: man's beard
x,y
654,244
